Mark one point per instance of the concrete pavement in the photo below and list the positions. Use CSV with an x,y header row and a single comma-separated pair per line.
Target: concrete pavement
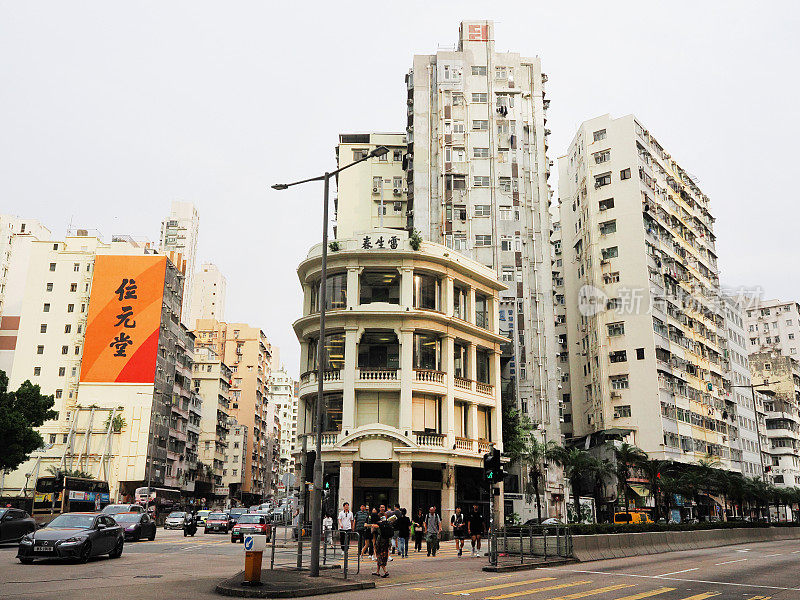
x,y
176,568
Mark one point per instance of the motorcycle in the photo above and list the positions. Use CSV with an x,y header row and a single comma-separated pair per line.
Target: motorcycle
x,y
190,528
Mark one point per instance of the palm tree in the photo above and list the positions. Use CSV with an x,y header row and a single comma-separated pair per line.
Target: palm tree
x,y
534,454
706,469
55,472
654,469
627,456
574,461
599,472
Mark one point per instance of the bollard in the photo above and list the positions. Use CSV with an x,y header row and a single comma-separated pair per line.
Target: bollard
x,y
254,546
544,536
272,558
346,551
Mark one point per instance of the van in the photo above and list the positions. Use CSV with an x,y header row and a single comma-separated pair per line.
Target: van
x,y
630,518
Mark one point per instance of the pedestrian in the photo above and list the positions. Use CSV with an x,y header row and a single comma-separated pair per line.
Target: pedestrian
x,y
345,526
296,524
419,530
433,527
383,532
362,516
475,528
395,537
404,532
459,526
374,519
327,528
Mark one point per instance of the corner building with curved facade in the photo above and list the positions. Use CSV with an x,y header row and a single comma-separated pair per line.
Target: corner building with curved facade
x,y
411,373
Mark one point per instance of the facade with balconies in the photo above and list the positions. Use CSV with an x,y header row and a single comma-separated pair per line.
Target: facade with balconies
x,y
411,372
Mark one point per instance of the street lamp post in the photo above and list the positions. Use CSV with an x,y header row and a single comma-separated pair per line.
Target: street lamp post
x,y
316,494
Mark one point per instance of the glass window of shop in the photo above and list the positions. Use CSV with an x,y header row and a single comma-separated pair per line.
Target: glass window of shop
x,y
335,293
427,291
427,351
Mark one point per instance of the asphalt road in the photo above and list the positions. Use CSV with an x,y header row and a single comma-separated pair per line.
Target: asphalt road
x,y
176,568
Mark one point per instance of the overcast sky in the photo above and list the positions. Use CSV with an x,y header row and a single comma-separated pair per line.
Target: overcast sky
x,y
110,110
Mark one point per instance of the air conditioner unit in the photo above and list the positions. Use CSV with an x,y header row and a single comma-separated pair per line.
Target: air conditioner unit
x,y
616,395
397,191
375,189
617,415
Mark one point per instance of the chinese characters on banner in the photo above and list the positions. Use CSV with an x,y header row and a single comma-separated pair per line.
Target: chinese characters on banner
x,y
124,319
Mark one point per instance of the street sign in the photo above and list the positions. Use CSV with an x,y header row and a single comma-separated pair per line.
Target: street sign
x,y
255,543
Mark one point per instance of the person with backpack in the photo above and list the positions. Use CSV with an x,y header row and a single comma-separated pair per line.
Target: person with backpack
x,y
459,526
433,527
382,533
403,533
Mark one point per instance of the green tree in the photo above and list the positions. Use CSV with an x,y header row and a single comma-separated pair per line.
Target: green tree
x,y
655,470
599,472
21,412
55,471
533,454
574,461
627,456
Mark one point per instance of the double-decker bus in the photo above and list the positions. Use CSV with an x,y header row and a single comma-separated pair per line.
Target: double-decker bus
x,y
158,500
55,495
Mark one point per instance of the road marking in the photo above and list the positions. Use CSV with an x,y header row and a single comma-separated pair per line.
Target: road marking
x,y
768,555
676,572
499,586
702,596
760,598
742,550
727,562
730,583
641,595
574,596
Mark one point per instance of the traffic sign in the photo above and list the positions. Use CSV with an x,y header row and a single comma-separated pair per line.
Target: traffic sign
x,y
255,543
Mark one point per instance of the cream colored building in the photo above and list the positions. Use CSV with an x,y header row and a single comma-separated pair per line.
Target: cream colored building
x,y
363,189
211,379
283,395
209,289
233,471
178,240
773,325
412,371
12,226
645,322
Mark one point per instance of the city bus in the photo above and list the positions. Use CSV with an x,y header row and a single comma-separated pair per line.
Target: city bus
x,y
55,495
158,501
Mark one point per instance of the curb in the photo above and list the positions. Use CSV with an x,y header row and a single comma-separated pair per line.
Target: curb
x,y
234,589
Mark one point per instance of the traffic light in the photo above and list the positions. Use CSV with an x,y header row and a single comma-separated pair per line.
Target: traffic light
x,y
492,466
311,456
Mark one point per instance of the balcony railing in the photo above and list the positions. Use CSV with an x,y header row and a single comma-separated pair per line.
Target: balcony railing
x,y
328,375
380,374
329,438
429,376
463,443
484,446
484,388
463,384
431,440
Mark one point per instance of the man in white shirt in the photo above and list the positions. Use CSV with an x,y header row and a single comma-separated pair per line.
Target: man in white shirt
x,y
345,525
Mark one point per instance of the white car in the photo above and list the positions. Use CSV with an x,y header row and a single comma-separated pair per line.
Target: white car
x,y
175,520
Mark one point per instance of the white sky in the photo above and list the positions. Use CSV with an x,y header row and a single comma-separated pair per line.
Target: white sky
x,y
110,110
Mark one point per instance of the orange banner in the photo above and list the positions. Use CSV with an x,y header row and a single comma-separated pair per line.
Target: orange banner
x,y
124,320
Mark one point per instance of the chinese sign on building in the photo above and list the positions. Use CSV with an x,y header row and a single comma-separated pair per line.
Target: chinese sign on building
x,y
124,319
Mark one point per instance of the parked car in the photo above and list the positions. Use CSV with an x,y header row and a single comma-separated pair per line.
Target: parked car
x,y
137,526
235,513
113,509
73,535
250,524
218,521
631,517
202,515
174,520
14,524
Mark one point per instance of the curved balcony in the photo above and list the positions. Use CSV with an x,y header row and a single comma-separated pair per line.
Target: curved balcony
x,y
376,374
430,440
429,376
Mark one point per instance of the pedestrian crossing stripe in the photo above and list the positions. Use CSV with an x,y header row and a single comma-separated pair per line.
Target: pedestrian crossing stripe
x,y
702,596
539,589
760,598
499,586
602,590
641,595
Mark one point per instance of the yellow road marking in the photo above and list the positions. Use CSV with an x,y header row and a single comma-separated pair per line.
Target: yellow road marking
x,y
760,598
647,594
499,586
702,596
609,588
537,590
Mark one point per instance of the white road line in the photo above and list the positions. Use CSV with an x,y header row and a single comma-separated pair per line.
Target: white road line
x,y
727,562
768,555
676,572
745,585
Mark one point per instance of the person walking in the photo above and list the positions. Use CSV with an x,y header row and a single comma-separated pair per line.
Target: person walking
x,y
374,519
362,516
419,530
327,528
382,532
476,527
395,537
296,524
459,526
346,519
433,527
404,532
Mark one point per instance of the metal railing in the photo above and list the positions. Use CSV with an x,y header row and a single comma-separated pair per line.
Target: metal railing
x,y
290,549
533,543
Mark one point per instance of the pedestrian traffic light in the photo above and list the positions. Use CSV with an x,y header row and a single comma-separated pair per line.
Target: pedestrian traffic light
x,y
492,466
311,456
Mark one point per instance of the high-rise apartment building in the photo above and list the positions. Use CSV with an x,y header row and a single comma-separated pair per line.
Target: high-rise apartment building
x,y
11,226
362,190
779,376
283,394
247,352
477,172
772,325
178,240
208,294
233,472
645,325
96,325
212,382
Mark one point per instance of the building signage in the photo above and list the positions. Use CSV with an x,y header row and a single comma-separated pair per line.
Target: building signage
x,y
124,319
370,242
477,33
